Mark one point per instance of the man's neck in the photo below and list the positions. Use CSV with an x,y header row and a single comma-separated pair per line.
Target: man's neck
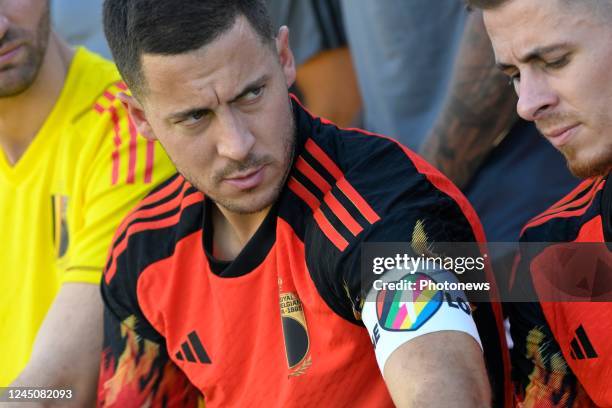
x,y
22,116
231,231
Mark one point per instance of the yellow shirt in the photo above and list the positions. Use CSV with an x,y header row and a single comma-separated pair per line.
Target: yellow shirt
x,y
63,200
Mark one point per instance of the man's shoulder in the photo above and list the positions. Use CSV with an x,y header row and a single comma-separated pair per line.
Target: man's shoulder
x,y
92,83
355,187
90,111
361,178
565,220
150,232
97,131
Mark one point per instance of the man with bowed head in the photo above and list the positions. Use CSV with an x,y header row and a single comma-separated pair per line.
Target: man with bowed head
x,y
558,55
239,279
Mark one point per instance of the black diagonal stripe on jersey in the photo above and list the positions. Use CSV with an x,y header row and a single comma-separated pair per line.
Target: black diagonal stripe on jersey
x,y
350,207
156,217
577,350
165,198
198,348
161,235
345,202
293,214
318,167
337,223
561,229
160,187
179,356
187,351
586,343
136,221
310,186
567,209
584,190
173,194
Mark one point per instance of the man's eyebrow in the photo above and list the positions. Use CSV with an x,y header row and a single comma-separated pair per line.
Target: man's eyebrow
x,y
185,113
536,53
251,86
247,88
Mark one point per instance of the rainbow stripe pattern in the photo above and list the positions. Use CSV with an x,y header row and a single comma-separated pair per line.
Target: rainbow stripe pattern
x,y
407,310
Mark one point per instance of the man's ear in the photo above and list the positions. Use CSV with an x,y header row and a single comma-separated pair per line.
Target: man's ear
x,y
137,115
285,55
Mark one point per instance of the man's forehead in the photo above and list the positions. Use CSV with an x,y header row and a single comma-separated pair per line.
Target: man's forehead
x,y
224,64
521,29
237,41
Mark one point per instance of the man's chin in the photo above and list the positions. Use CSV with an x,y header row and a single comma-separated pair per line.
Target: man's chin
x,y
239,209
248,206
21,83
588,168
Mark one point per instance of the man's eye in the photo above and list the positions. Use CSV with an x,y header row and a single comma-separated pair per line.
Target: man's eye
x,y
558,63
197,115
253,94
193,118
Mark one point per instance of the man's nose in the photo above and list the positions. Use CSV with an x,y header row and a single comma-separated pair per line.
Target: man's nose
x,y
235,140
535,97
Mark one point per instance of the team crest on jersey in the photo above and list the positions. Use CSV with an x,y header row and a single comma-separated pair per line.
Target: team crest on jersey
x,y
59,206
407,310
295,333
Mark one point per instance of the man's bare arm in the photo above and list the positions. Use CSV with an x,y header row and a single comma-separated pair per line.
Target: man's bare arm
x,y
440,369
66,353
478,112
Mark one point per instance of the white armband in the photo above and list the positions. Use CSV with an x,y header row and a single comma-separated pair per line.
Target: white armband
x,y
400,310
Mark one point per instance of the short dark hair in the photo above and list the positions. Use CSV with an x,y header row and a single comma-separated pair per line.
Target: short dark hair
x,y
170,27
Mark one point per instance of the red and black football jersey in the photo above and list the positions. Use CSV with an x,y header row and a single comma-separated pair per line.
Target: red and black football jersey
x,y
279,325
562,349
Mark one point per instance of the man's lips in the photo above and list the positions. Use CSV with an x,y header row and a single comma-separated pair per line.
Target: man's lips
x,y
8,52
247,180
560,136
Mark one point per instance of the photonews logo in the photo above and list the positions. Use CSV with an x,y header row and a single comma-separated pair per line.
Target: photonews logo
x,y
410,303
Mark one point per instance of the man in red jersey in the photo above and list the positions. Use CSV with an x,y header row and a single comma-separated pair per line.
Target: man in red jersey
x,y
242,275
558,55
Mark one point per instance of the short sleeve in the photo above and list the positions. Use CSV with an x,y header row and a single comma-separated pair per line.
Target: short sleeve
x,y
124,168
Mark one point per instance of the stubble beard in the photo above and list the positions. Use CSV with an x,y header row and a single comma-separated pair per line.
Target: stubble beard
x,y
27,72
241,206
599,165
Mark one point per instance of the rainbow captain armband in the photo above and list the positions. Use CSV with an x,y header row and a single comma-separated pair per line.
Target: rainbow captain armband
x,y
411,306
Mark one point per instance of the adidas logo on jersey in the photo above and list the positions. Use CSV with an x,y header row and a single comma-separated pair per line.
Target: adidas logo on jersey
x,y
581,347
193,343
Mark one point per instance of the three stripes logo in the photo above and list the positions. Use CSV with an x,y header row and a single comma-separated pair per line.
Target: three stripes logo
x,y
338,209
582,348
193,343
